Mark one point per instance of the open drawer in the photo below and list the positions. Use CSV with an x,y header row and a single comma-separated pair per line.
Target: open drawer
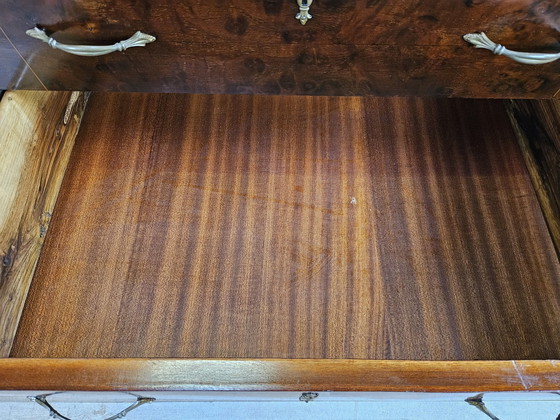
x,y
271,243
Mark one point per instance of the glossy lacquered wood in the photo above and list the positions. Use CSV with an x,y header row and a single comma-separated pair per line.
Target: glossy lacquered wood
x,y
292,227
342,70
355,22
277,375
36,137
360,47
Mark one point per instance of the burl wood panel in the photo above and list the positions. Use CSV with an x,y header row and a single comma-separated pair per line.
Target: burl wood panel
x,y
277,375
358,47
354,22
37,132
295,227
537,126
300,70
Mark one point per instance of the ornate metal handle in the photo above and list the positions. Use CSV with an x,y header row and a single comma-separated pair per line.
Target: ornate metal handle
x,y
303,16
482,41
139,39
42,401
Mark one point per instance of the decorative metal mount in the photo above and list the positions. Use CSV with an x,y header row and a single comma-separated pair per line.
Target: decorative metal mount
x,y
476,401
303,16
139,39
42,401
308,396
482,41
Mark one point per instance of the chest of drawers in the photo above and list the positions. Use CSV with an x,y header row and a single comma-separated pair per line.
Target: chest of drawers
x,y
239,242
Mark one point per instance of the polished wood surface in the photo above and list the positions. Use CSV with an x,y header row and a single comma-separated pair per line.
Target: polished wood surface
x,y
286,227
359,47
341,70
277,375
14,73
37,134
537,126
355,22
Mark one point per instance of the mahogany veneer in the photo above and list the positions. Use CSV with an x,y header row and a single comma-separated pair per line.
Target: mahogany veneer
x,y
285,227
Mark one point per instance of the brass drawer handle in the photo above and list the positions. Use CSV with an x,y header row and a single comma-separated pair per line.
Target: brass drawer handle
x,y
303,16
482,41
139,39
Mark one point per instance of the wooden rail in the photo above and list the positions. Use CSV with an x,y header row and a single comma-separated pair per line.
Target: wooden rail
x,y
277,375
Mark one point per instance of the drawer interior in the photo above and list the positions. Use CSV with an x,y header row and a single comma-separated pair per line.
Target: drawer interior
x,y
223,226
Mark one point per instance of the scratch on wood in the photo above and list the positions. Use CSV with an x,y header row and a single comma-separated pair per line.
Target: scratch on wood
x,y
520,375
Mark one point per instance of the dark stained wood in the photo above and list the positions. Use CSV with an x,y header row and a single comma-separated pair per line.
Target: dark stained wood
x,y
36,137
286,227
523,23
299,70
14,73
358,47
277,375
537,126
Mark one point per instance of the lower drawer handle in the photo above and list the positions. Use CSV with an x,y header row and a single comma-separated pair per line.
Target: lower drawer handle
x,y
482,41
139,39
42,401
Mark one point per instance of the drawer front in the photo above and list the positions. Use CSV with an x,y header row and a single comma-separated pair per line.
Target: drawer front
x,y
281,405
351,22
366,47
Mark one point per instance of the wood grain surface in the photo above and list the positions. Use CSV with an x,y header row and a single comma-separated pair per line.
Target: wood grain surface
x,y
14,73
295,227
537,126
342,70
36,137
277,375
524,23
358,47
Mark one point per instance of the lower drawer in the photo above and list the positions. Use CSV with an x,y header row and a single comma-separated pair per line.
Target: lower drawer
x,y
306,230
281,405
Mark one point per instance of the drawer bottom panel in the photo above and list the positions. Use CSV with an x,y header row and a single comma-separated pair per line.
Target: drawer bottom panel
x,y
294,227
